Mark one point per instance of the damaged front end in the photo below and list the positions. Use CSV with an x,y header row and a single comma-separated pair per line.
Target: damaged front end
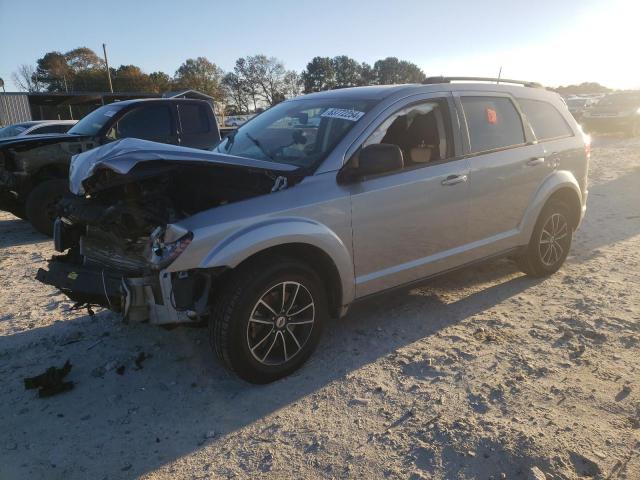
x,y
121,231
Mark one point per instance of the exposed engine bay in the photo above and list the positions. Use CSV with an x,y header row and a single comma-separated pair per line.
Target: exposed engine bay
x,y
120,234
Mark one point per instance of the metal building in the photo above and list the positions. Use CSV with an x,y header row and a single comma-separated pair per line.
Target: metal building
x,y
14,108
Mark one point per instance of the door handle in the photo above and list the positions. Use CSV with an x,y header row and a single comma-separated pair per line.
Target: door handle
x,y
532,162
454,179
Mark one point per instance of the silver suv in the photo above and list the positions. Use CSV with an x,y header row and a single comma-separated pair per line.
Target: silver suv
x,y
316,203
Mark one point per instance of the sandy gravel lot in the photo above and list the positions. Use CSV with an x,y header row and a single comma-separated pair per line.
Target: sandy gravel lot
x,y
484,373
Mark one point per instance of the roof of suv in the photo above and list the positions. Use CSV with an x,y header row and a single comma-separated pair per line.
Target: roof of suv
x,y
379,92
156,100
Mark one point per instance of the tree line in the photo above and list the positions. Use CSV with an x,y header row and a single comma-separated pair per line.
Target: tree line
x,y
255,82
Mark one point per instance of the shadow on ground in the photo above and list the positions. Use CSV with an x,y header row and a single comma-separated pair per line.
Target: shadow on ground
x,y
14,232
148,417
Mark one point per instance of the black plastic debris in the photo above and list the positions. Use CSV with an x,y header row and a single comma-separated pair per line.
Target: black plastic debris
x,y
51,381
141,358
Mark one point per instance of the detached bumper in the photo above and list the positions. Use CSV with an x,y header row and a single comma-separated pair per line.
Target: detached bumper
x,y
149,298
85,285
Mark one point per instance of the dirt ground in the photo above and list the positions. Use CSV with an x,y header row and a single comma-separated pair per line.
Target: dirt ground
x,y
484,373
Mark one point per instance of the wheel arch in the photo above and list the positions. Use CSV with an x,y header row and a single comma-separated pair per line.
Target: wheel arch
x,y
561,185
315,258
569,197
305,240
49,172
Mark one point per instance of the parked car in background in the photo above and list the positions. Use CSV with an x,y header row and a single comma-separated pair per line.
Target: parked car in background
x,y
577,106
36,127
34,170
235,120
280,226
617,112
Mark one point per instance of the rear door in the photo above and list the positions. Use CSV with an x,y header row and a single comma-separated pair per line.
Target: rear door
x,y
506,168
197,127
553,133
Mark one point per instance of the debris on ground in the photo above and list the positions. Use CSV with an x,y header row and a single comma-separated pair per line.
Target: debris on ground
x,y
141,358
50,382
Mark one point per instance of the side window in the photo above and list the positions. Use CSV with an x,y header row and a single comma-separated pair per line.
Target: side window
x,y
147,123
546,121
421,131
493,123
50,129
193,118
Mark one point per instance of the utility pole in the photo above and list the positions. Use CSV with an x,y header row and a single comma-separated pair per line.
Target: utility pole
x,y
4,100
499,74
66,89
106,62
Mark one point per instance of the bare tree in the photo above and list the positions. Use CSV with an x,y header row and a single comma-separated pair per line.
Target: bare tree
x,y
26,78
265,78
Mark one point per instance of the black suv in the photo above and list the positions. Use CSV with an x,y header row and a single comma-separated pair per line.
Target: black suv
x,y
618,112
34,171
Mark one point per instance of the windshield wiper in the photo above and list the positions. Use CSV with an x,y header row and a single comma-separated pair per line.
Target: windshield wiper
x,y
257,143
230,139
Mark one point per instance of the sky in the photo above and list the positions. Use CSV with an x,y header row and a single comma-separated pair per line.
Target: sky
x,y
555,42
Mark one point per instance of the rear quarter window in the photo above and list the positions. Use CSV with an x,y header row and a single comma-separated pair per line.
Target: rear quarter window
x,y
545,120
493,122
193,118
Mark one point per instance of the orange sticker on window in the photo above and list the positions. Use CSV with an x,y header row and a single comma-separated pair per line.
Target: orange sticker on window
x,y
492,116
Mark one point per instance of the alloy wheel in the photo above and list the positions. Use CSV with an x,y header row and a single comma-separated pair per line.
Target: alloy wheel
x,y
552,243
281,323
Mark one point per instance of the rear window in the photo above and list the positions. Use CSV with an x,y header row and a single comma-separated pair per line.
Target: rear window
x,y
546,121
493,123
193,118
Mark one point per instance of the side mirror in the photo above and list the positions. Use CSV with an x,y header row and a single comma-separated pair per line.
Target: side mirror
x,y
373,160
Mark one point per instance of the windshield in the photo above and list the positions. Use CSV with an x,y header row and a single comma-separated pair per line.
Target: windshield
x,y
92,123
630,100
12,130
300,132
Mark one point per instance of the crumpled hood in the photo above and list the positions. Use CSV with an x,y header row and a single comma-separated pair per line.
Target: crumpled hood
x,y
122,155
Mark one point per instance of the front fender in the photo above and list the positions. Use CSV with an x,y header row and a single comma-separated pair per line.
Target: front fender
x,y
557,180
242,244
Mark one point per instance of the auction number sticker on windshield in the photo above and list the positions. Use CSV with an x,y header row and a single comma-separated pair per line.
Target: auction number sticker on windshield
x,y
343,114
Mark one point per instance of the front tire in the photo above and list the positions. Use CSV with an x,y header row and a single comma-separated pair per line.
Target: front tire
x,y
550,241
41,204
269,319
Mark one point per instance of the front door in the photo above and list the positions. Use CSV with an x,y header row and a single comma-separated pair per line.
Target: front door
x,y
410,224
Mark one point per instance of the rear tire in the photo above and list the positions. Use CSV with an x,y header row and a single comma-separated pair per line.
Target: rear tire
x,y
40,207
550,241
268,320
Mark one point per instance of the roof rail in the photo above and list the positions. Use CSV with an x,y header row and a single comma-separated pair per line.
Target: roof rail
x,y
441,79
